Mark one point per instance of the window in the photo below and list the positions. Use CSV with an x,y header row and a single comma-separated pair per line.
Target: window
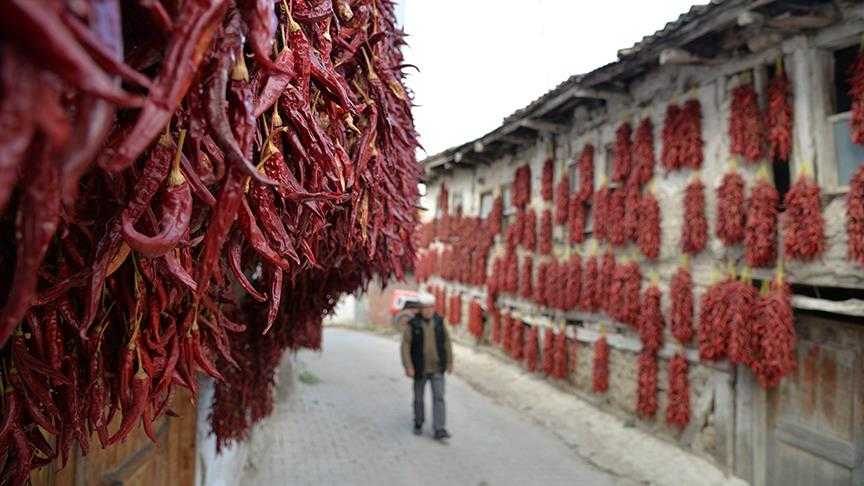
x,y
456,203
486,200
849,155
505,199
574,176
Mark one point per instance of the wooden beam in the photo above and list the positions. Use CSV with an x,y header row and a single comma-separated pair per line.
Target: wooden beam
x,y
543,126
851,307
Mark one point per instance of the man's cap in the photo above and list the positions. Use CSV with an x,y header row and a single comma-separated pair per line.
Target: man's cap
x,y
425,299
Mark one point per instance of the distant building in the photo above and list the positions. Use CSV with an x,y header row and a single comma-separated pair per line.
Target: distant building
x,y
810,428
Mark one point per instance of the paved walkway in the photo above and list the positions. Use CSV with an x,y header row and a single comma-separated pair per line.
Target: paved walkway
x,y
347,420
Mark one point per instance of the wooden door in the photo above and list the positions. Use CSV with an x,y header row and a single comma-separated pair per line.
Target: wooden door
x,y
138,461
816,417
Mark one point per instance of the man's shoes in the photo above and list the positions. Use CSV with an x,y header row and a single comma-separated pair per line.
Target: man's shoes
x,y
418,428
442,434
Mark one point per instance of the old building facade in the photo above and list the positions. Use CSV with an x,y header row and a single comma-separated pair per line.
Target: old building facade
x,y
809,429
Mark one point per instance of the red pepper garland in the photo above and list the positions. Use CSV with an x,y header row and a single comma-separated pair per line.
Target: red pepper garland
x,y
586,174
681,309
497,322
803,224
521,194
546,233
855,217
540,292
694,230
746,129
531,349
622,153
600,370
774,325
455,309
690,133
856,92
615,217
576,221
475,319
643,152
514,233
713,321
651,320
740,303
632,201
574,282
588,296
678,408
547,180
506,333
548,351
605,279
671,150
529,230
562,200
552,289
778,116
526,284
760,231
512,273
730,209
632,294
649,226
560,359
646,394
518,340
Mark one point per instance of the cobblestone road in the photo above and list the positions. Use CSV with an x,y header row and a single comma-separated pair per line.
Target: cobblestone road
x,y
353,426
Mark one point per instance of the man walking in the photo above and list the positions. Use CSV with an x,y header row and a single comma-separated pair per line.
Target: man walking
x,y
426,354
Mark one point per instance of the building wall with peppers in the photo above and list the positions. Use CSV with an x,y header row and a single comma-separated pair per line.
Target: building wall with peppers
x,y
742,412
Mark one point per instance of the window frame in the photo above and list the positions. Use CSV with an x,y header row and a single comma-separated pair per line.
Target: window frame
x,y
491,196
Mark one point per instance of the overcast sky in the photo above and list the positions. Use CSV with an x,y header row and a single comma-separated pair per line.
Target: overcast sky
x,y
481,60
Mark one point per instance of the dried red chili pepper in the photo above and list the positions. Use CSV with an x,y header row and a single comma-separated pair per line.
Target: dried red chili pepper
x,y
547,180
529,230
690,133
600,369
547,363
622,153
774,326
586,174
526,285
615,217
678,408
694,231
778,116
746,128
601,213
588,296
713,321
672,143
855,217
681,308
632,201
562,200
648,232
531,349
760,231
803,223
651,322
856,92
541,296
646,394
517,340
730,209
521,189
643,152
560,358
576,221
545,236
475,319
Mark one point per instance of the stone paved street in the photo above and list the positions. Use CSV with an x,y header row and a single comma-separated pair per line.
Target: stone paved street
x,y
347,420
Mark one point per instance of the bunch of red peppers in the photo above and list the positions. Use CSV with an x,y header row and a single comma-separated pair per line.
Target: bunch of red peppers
x,y
189,191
